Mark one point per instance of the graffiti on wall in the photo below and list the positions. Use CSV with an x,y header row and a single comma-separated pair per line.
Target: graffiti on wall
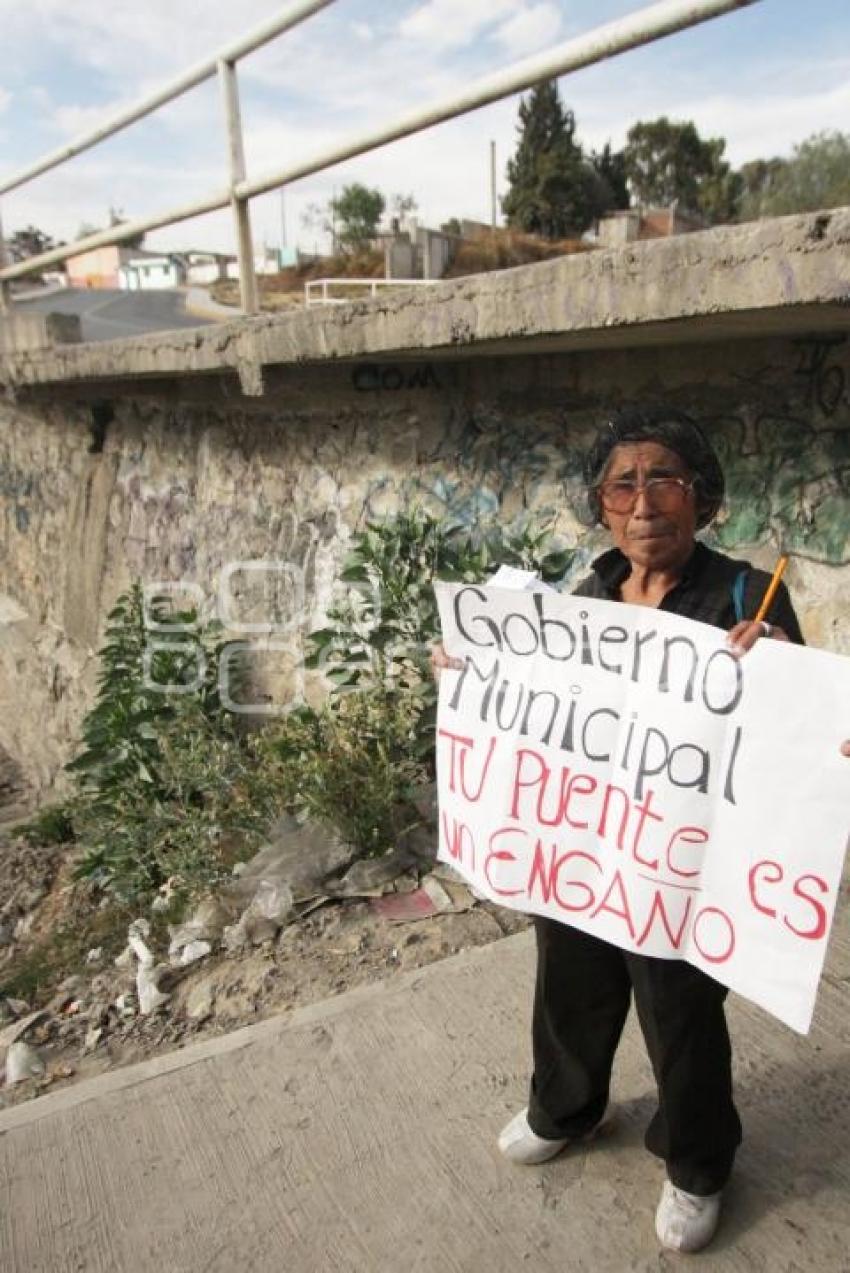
x,y
824,377
373,377
782,432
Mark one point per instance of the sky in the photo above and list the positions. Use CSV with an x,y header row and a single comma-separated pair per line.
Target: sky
x,y
764,77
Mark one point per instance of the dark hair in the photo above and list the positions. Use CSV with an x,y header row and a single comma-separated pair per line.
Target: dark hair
x,y
672,429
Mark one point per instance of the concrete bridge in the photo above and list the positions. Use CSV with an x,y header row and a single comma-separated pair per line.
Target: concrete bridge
x,y
175,455
169,455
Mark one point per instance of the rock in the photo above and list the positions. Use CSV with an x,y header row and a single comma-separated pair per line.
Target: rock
x,y
60,1001
420,842
300,857
95,955
93,1036
73,984
206,925
63,1070
199,1003
438,895
23,1062
19,1006
194,951
23,925
150,996
235,937
272,901
126,1004
11,1033
7,933
260,929
370,877
29,898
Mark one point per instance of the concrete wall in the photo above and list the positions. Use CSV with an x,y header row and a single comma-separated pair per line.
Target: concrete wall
x,y
177,489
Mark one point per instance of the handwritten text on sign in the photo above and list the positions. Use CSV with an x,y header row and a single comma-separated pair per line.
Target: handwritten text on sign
x,y
616,768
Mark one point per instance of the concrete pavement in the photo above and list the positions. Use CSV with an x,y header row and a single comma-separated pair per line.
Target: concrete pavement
x,y
358,1136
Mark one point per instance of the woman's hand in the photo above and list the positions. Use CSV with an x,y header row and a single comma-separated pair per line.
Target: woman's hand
x,y
745,634
439,660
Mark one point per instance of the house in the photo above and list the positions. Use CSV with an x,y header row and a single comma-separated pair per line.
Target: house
x,y
618,228
99,267
413,251
148,271
203,268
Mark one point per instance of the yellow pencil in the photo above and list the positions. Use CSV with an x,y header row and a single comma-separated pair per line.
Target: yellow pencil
x,y
771,589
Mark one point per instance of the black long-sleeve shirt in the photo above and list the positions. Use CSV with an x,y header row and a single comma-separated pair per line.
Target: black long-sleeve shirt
x,y
705,591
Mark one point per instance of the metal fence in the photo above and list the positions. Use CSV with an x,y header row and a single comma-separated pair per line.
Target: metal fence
x,y
639,28
318,291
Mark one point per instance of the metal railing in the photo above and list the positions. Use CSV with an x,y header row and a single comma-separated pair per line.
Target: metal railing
x,y
362,286
642,27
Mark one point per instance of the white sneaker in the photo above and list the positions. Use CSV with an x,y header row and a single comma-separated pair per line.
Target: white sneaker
x,y
686,1221
521,1145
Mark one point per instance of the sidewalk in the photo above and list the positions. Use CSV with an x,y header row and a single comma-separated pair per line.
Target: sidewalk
x,y
198,302
358,1136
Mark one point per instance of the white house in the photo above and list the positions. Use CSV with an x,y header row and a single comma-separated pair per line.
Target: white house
x,y
143,273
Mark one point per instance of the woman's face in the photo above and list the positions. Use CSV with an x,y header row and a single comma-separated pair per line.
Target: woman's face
x,y
658,531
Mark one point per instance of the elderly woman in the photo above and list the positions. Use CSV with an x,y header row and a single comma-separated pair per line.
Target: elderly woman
x,y
653,481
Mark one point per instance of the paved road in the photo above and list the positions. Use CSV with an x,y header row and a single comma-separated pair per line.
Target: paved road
x,y
358,1136
110,315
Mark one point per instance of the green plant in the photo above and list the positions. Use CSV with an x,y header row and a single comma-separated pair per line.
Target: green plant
x,y
53,825
162,774
381,629
351,765
122,733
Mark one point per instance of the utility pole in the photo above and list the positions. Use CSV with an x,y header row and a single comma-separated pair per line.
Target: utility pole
x,y
493,184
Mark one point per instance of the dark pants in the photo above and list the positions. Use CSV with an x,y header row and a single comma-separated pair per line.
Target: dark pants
x,y
582,996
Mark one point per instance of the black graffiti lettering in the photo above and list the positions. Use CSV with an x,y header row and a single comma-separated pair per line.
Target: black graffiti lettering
x,y
372,377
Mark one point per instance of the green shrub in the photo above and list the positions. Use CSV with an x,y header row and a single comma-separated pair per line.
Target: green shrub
x,y
381,629
163,776
352,765
53,825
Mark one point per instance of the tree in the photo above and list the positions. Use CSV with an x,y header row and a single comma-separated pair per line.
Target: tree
x,y
758,178
816,176
356,213
350,219
403,205
610,165
28,242
553,191
668,162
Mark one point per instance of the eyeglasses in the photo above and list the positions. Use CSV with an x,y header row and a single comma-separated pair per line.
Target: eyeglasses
x,y
666,494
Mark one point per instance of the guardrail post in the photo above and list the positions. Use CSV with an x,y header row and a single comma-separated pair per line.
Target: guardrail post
x,y
248,290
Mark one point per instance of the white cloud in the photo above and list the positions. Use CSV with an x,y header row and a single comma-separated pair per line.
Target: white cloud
x,y
530,29
765,126
352,67
444,24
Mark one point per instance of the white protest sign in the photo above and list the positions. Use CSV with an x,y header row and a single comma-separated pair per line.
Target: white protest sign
x,y
615,767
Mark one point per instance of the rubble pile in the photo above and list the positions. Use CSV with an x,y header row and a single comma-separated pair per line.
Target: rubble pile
x,y
303,919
